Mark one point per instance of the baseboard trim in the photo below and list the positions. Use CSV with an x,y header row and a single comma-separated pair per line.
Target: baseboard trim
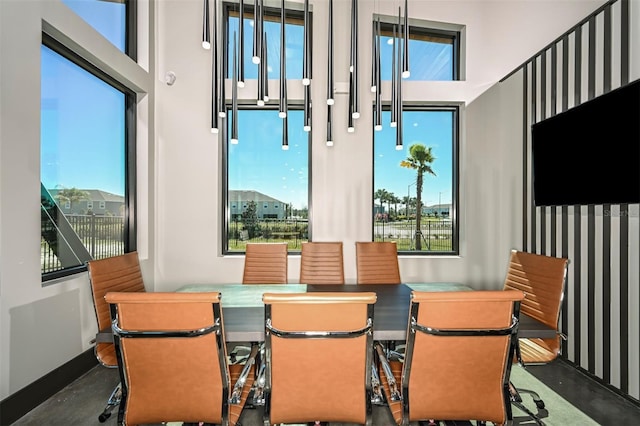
x,y
26,399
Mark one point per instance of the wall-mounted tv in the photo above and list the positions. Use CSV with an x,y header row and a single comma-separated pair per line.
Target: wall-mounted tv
x,y
589,154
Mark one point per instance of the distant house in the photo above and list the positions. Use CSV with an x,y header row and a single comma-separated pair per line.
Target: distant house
x,y
266,206
99,202
440,210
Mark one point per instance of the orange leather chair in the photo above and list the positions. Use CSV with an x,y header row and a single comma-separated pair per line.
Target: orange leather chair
x,y
458,358
319,351
321,263
172,359
117,273
265,263
542,278
377,263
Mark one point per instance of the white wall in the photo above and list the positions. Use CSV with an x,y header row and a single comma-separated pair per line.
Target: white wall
x,y
43,327
179,159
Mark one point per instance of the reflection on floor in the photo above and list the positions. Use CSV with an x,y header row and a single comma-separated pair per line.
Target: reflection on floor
x,y
81,402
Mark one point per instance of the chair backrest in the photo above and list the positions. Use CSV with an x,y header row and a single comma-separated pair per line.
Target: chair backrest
x,y
265,263
118,273
542,278
321,263
458,355
172,357
377,262
319,350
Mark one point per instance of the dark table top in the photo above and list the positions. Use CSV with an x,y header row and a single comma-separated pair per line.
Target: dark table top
x,y
243,310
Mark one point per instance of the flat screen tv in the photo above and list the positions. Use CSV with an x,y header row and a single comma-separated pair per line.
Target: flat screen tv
x,y
589,154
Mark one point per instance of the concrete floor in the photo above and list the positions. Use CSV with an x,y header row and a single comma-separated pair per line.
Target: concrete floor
x,y
81,402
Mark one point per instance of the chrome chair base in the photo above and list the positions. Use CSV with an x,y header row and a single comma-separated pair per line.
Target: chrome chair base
x,y
113,402
516,400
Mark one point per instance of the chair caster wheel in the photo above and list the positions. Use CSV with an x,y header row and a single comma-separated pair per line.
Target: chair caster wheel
x,y
103,417
539,404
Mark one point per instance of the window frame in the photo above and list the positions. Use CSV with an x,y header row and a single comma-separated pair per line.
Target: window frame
x,y
428,31
50,41
455,109
226,211
294,16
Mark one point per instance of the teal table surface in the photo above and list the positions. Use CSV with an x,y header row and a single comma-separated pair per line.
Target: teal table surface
x,y
243,309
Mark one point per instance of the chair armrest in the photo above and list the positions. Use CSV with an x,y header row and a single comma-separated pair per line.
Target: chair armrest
x,y
394,393
103,336
236,395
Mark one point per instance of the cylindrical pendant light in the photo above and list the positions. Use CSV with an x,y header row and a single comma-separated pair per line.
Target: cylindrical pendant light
x,y
222,105
285,133
283,62
260,96
399,127
307,109
356,95
378,95
394,85
374,47
330,81
265,70
241,45
257,32
329,125
214,76
405,58
306,48
350,126
234,94
206,31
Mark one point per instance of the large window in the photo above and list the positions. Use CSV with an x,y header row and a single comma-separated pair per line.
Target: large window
x,y
87,163
433,53
294,41
267,187
415,190
110,18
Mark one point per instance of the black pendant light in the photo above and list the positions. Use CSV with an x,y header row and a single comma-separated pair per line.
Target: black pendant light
x,y
356,96
264,64
257,33
222,106
399,128
285,133
214,76
241,45
234,94
306,47
406,73
206,31
378,80
330,80
394,85
283,62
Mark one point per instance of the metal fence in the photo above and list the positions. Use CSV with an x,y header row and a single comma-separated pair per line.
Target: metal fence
x,y
102,236
436,235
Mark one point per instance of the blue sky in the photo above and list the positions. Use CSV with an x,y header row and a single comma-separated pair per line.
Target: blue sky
x,y
82,119
430,128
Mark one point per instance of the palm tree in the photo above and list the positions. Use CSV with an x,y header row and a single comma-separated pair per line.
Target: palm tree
x,y
420,159
382,195
395,200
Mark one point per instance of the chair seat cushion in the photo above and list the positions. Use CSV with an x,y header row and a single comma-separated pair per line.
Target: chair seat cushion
x,y
538,351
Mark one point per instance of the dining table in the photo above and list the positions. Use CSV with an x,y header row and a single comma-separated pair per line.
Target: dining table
x,y
243,310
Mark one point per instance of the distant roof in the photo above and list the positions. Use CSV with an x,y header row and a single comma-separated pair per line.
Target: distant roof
x,y
241,195
94,195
